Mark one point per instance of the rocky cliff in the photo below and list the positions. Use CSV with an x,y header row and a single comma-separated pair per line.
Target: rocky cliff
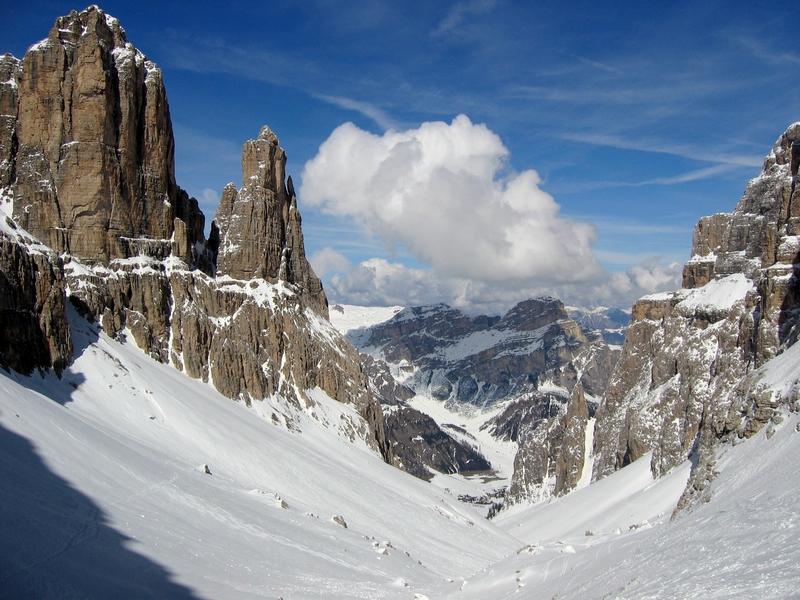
x,y
256,231
682,382
87,144
95,215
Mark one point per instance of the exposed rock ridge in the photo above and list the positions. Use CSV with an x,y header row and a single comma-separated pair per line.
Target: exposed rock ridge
x,y
681,376
535,362
33,319
86,166
256,232
478,361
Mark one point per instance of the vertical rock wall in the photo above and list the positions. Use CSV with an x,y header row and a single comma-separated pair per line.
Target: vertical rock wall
x,y
90,163
686,352
87,167
256,231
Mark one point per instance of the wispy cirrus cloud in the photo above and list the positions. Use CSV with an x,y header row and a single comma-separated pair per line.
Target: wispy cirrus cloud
x,y
598,65
202,55
682,150
769,55
459,11
369,110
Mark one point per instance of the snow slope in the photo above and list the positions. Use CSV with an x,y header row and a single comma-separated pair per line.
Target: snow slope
x,y
104,493
346,317
742,543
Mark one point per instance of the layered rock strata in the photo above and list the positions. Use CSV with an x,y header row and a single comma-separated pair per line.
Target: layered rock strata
x,y
682,375
86,166
256,232
479,361
550,430
33,319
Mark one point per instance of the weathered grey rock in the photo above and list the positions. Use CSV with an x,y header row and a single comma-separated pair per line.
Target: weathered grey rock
x,y
87,157
551,437
471,363
420,446
478,361
90,162
680,383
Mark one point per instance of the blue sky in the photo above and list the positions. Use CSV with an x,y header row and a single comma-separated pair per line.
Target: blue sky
x,y
638,118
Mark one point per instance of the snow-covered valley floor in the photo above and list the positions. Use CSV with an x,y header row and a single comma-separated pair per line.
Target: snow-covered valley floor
x,y
104,494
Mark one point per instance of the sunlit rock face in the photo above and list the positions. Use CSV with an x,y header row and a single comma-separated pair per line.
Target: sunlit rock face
x,y
256,231
679,380
87,146
92,214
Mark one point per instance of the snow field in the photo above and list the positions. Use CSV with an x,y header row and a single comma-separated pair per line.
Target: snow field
x,y
132,437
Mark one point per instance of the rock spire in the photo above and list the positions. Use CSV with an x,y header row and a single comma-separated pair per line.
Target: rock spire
x,y
86,146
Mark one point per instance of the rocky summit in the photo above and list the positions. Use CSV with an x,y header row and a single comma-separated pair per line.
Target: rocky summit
x,y
92,214
687,376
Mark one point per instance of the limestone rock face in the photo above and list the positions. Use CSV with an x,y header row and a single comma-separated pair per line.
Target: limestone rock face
x,y
33,320
257,228
254,340
90,162
421,447
481,360
680,378
87,172
535,367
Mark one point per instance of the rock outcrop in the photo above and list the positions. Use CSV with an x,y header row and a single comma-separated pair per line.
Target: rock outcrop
x,y
535,365
87,168
421,447
479,361
682,377
90,161
550,429
256,232
33,319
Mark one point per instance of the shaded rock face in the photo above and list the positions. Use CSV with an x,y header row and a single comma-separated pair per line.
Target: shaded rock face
x,y
420,446
550,430
535,361
87,146
86,166
33,319
683,374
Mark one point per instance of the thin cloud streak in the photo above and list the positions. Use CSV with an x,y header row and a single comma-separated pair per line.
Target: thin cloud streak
x,y
665,148
597,65
370,111
770,56
459,11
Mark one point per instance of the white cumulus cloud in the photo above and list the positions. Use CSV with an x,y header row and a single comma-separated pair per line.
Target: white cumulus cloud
x,y
378,282
443,192
328,260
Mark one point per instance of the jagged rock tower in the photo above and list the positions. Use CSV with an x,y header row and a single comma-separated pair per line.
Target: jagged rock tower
x,y
87,147
87,169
